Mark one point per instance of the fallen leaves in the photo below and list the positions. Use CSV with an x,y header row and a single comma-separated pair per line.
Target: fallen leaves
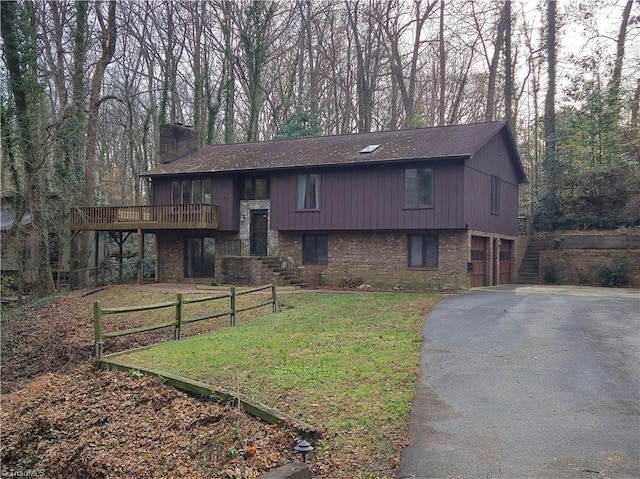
x,y
99,424
63,417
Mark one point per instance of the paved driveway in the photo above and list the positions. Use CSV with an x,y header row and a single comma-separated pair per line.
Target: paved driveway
x,y
529,382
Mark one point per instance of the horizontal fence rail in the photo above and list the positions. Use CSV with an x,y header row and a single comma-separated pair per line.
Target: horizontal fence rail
x,y
144,217
178,304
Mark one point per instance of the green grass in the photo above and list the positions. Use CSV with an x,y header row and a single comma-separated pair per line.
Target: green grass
x,y
346,363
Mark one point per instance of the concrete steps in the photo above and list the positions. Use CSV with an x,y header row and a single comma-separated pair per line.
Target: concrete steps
x,y
529,272
287,275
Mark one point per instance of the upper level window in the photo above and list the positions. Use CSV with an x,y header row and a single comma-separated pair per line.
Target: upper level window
x,y
495,195
307,192
256,189
191,192
418,187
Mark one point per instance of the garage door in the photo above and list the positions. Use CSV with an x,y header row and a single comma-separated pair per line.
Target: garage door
x,y
505,262
478,260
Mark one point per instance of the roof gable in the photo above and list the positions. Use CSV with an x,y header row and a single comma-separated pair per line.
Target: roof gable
x,y
457,141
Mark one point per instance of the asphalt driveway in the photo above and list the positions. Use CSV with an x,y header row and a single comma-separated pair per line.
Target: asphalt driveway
x,y
528,382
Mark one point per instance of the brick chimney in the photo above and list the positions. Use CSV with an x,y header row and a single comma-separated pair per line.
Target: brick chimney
x,y
176,141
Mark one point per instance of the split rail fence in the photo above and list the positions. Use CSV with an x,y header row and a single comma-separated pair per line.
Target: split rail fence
x,y
99,312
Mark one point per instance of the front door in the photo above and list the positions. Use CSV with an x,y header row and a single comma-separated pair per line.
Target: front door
x,y
258,232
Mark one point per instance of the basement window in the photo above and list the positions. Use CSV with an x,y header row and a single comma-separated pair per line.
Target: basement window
x,y
423,250
314,249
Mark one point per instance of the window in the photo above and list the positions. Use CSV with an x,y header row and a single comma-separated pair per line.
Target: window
x,y
314,249
418,187
495,195
191,192
423,250
477,255
256,189
307,192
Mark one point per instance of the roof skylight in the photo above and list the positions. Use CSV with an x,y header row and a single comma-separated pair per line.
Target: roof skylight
x,y
370,148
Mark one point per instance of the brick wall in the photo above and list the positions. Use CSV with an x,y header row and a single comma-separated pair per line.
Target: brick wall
x,y
573,266
245,270
176,141
171,256
381,260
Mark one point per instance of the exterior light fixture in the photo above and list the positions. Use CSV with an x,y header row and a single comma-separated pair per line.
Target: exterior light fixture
x,y
303,448
242,218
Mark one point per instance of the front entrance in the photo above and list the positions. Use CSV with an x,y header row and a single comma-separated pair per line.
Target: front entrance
x,y
199,257
258,232
478,261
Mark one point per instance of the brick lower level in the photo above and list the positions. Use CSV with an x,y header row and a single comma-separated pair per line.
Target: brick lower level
x,y
380,259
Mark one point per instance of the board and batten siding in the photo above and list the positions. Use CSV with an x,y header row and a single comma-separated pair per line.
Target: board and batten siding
x,y
225,195
370,198
493,159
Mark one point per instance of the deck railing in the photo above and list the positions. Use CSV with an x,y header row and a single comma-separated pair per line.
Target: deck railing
x,y
144,217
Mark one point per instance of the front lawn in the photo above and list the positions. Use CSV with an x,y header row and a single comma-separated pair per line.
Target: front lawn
x,y
345,363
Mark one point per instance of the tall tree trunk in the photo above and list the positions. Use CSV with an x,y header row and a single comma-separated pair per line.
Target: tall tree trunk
x,y
635,106
367,63
508,73
550,99
20,47
443,63
307,44
495,63
406,88
228,77
197,73
108,44
254,38
614,88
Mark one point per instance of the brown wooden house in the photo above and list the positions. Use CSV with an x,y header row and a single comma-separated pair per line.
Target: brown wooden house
x,y
424,208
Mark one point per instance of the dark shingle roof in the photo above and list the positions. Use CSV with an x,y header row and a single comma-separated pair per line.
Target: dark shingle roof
x,y
458,141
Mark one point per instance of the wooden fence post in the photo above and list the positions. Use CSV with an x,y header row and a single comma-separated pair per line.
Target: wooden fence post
x,y
274,296
233,305
97,329
177,334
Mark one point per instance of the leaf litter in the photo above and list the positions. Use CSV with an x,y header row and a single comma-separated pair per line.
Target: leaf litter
x,y
63,417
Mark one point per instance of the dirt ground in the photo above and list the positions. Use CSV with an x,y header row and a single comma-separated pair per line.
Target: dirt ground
x,y
63,417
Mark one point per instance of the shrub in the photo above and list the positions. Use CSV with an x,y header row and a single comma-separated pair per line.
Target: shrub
x,y
8,286
614,274
582,276
350,282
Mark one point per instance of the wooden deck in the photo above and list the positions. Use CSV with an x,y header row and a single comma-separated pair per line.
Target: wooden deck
x,y
147,217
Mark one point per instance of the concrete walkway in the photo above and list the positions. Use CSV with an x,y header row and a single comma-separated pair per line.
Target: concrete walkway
x,y
529,382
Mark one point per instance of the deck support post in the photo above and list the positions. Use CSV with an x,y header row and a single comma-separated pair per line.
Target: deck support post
x,y
140,256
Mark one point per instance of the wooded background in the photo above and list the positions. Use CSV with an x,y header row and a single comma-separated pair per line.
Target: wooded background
x,y
84,87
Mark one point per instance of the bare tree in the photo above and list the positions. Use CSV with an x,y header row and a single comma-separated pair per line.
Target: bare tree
x,y
368,52
550,99
394,29
508,59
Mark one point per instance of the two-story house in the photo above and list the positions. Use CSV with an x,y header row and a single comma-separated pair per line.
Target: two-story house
x,y
423,208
